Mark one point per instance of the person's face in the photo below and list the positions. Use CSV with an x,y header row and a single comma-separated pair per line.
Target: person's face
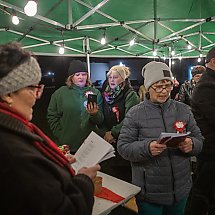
x,y
80,79
160,91
197,77
24,99
114,79
211,64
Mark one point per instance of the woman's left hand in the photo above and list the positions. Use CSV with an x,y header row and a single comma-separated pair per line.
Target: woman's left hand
x,y
92,108
109,137
186,146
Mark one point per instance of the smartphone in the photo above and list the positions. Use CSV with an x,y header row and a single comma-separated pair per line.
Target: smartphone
x,y
92,98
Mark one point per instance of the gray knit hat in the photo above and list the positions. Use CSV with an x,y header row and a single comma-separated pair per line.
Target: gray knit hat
x,y
154,72
26,74
123,71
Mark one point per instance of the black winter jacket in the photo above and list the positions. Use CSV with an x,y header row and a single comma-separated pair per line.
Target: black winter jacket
x,y
32,184
203,107
123,102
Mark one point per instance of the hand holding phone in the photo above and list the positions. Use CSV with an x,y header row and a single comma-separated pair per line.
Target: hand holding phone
x,y
92,107
92,98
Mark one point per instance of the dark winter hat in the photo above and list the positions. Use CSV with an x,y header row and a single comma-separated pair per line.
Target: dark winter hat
x,y
154,72
197,70
210,55
77,66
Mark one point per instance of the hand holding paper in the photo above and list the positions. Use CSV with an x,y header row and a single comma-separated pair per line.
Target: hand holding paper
x,y
93,151
172,139
186,146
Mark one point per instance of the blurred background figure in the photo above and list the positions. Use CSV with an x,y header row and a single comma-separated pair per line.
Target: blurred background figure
x,y
187,87
141,92
70,118
118,98
176,87
35,177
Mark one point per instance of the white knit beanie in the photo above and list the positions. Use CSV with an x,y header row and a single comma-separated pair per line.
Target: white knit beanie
x,y
154,72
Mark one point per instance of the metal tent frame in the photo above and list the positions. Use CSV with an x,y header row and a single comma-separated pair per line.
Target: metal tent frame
x,y
83,22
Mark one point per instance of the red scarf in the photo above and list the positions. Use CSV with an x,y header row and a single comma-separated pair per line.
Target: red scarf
x,y
47,146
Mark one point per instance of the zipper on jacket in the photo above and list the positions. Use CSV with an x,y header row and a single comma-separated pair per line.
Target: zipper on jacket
x,y
169,155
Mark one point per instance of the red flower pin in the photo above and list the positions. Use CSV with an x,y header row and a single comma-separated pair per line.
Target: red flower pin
x,y
116,111
179,126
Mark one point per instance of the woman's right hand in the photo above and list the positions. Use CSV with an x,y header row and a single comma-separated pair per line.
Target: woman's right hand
x,y
156,148
90,171
92,108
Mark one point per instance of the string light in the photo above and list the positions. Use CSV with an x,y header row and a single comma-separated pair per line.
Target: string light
x,y
132,41
61,49
154,53
199,59
15,20
173,52
30,8
103,39
189,46
121,64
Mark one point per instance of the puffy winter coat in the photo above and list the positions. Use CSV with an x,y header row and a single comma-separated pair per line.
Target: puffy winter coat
x,y
166,178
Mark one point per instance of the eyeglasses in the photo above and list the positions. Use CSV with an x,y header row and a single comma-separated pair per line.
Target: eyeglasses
x,y
38,89
160,88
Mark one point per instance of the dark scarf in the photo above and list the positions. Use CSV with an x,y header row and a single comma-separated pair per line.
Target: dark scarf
x,y
111,94
47,146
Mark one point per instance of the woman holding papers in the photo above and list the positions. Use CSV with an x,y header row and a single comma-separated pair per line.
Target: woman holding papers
x,y
118,98
35,177
163,173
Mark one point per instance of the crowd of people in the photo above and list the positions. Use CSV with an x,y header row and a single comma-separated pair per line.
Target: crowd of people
x,y
36,178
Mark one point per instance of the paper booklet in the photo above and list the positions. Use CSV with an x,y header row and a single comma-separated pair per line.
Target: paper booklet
x,y
172,139
92,151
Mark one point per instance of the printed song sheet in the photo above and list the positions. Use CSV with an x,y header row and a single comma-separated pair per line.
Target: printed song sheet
x,y
92,151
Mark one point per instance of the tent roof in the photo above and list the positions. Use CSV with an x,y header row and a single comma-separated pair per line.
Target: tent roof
x,y
161,25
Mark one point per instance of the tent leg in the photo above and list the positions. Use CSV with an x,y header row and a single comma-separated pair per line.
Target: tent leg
x,y
87,51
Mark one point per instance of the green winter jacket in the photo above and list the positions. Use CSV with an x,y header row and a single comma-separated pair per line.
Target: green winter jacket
x,y
68,118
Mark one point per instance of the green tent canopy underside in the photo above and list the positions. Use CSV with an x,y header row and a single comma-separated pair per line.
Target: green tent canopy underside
x,y
155,25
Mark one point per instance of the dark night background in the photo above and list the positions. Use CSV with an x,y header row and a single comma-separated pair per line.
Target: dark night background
x,y
54,71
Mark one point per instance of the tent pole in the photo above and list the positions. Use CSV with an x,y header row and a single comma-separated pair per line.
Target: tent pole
x,y
70,18
87,51
170,58
88,64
